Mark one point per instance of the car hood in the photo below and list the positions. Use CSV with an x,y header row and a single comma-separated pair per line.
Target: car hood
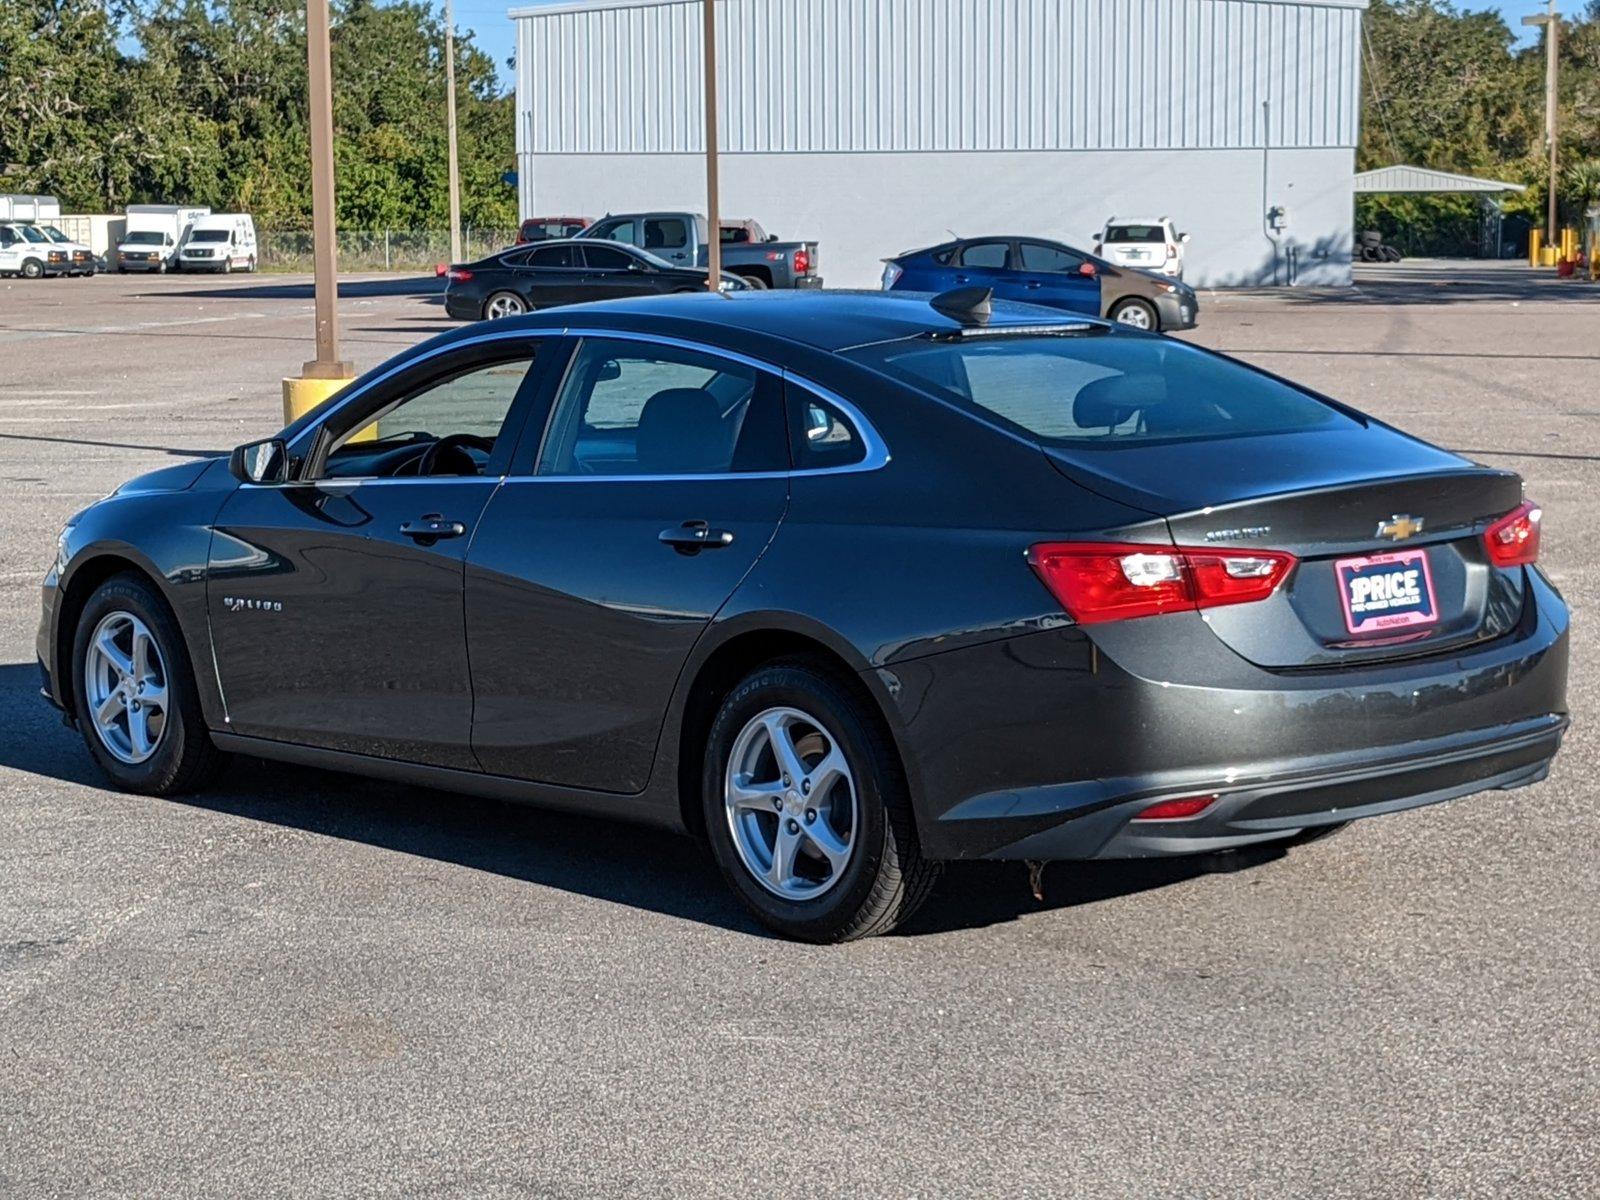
x,y
179,477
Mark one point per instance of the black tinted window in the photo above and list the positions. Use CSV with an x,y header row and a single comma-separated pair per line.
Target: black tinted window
x,y
819,434
1106,390
665,233
606,258
1136,233
554,256
1041,256
629,408
986,255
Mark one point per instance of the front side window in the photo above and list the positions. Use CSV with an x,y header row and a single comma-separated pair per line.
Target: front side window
x,y
607,258
621,229
448,425
1103,390
630,408
990,256
1042,256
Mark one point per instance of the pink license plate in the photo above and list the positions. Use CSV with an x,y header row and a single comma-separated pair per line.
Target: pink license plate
x,y
1386,591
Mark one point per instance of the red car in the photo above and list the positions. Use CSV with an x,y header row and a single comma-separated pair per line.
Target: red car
x,y
546,229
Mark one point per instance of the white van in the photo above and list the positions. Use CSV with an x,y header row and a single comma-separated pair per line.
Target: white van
x,y
155,235
220,242
25,251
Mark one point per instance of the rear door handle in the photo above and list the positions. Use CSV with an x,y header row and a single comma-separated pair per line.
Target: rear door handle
x,y
694,536
425,531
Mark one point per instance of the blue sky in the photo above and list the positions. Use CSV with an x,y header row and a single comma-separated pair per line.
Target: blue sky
x,y
492,30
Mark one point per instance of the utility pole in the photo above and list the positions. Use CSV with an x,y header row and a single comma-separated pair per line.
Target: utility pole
x,y
326,373
1551,21
450,127
713,217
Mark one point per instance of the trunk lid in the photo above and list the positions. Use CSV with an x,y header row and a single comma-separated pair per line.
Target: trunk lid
x,y
1387,531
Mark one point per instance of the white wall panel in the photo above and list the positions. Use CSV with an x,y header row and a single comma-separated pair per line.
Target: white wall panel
x,y
817,76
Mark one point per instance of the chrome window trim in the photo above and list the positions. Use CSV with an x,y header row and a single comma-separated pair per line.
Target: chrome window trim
x,y
876,456
877,452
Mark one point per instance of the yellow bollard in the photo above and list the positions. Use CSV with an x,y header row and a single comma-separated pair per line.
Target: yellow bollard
x,y
1535,247
300,396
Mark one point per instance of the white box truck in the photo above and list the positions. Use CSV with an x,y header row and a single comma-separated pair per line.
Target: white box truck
x,y
32,245
155,235
220,242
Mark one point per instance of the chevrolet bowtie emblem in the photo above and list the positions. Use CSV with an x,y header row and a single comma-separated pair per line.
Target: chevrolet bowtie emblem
x,y
1400,527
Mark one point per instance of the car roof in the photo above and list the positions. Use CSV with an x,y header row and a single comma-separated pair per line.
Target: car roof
x,y
822,320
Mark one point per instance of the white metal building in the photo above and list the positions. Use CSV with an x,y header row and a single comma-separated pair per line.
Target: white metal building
x,y
876,126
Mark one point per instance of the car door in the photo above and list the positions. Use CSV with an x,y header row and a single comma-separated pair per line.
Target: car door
x,y
669,238
10,251
613,273
1055,275
553,274
982,264
335,599
660,480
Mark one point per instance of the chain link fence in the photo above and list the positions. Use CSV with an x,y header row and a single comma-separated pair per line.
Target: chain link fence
x,y
409,250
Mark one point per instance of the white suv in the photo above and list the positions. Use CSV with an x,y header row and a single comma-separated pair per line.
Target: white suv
x,y
1151,245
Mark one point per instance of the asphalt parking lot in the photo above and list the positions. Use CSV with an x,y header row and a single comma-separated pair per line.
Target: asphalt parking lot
x,y
306,984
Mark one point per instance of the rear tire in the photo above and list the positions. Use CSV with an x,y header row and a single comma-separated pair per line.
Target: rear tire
x,y
756,283
173,757
503,304
835,858
1136,313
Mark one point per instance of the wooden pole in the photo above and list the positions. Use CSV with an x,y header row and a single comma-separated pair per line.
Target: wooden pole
x,y
327,364
450,128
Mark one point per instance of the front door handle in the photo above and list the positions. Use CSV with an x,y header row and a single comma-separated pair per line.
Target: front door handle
x,y
694,536
1033,285
425,531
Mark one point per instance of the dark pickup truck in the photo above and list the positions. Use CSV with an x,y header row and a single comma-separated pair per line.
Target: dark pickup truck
x,y
747,250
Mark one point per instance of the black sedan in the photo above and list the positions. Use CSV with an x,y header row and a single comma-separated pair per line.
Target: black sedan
x,y
847,585
526,278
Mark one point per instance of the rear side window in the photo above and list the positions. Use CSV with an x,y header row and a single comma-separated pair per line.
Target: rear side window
x,y
630,408
1104,390
986,255
665,233
554,256
820,435
617,230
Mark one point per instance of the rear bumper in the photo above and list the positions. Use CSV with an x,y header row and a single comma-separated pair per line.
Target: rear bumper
x,y
1264,802
1046,745
808,283
462,308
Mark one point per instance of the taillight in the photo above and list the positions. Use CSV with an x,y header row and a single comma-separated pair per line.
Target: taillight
x,y
458,274
1176,810
1112,581
891,275
1172,251
802,261
1513,540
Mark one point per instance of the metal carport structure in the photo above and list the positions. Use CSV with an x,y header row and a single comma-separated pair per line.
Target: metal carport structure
x,y
1402,177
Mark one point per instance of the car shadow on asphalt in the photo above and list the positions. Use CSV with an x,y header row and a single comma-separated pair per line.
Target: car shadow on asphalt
x,y
607,860
430,286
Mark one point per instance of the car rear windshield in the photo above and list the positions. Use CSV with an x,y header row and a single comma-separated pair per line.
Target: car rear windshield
x,y
1102,390
1136,233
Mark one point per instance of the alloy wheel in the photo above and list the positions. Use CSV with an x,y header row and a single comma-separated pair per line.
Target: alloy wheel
x,y
125,684
503,304
791,803
1135,315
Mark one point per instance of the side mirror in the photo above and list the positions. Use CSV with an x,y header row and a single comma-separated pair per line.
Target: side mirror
x,y
1184,238
772,237
607,371
266,461
1087,268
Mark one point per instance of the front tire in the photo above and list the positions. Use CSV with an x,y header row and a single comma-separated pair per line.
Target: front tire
x,y
32,269
807,809
1136,314
134,693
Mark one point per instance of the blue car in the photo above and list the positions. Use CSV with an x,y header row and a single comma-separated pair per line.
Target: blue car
x,y
1037,271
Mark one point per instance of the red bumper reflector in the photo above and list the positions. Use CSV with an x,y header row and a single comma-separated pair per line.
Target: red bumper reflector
x,y
1513,540
1176,810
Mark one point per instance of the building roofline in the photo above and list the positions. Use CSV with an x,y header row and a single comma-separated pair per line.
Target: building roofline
x,y
560,7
